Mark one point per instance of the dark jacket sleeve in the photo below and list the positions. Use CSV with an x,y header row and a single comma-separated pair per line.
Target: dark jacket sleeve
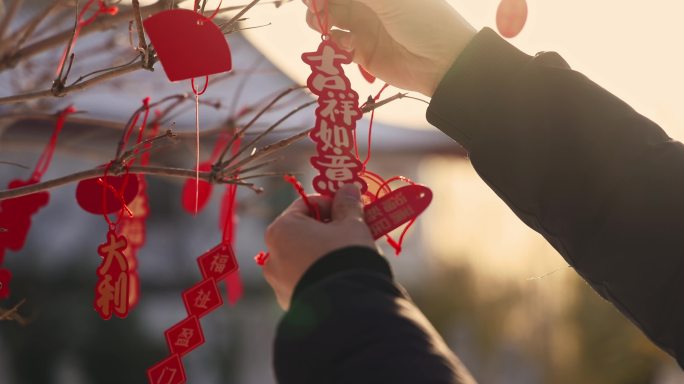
x,y
603,184
350,323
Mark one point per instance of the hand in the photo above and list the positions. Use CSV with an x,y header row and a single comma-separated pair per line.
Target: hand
x,y
408,43
296,240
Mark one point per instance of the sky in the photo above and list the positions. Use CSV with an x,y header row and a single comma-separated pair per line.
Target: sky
x,y
632,48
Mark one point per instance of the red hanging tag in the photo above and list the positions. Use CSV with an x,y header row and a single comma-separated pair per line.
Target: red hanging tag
x,y
202,298
188,44
396,208
168,371
118,190
111,294
366,75
5,278
197,190
133,229
15,216
218,263
336,119
511,16
185,336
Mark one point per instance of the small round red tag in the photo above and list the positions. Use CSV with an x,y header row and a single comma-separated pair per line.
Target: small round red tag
x,y
5,277
511,17
203,192
89,193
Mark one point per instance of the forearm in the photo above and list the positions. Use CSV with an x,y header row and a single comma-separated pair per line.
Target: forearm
x,y
602,183
349,323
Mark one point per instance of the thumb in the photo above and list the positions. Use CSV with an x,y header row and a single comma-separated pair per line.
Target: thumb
x,y
347,203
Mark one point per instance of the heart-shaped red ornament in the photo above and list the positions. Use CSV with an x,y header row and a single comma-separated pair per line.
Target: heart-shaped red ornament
x,y
5,278
192,189
89,193
188,44
15,216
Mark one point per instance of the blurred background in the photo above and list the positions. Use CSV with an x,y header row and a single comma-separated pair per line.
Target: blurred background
x,y
502,298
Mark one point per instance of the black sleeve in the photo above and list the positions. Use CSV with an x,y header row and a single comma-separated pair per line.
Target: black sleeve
x,y
603,184
350,323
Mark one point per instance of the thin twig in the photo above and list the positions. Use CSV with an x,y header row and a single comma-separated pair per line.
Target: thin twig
x,y
229,25
13,314
267,150
102,23
139,148
122,142
83,77
97,172
142,43
9,16
369,107
27,30
267,131
261,165
254,120
74,87
14,164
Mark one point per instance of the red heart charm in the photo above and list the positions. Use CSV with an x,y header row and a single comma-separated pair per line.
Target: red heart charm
x,y
202,190
89,193
5,278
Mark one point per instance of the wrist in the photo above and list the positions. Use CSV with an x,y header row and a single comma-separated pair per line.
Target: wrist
x,y
466,34
340,260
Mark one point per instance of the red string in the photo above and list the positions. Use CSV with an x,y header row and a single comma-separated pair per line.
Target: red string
x,y
80,23
194,90
323,24
119,194
141,130
197,134
46,157
313,208
370,130
154,131
218,8
231,190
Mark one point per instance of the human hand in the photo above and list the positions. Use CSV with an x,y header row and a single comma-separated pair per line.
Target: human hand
x,y
407,43
296,240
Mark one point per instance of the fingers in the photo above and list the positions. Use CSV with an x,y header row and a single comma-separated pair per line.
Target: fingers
x,y
299,206
343,39
347,203
337,16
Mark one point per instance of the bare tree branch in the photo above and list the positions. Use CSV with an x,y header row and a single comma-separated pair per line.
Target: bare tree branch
x,y
26,31
13,314
57,39
9,16
120,71
229,25
142,43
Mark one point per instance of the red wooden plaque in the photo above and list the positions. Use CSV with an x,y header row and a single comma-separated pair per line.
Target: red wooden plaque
x,y
202,298
218,263
184,336
396,208
169,371
188,44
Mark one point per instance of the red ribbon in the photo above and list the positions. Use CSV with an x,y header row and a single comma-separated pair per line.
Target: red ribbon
x,y
45,159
